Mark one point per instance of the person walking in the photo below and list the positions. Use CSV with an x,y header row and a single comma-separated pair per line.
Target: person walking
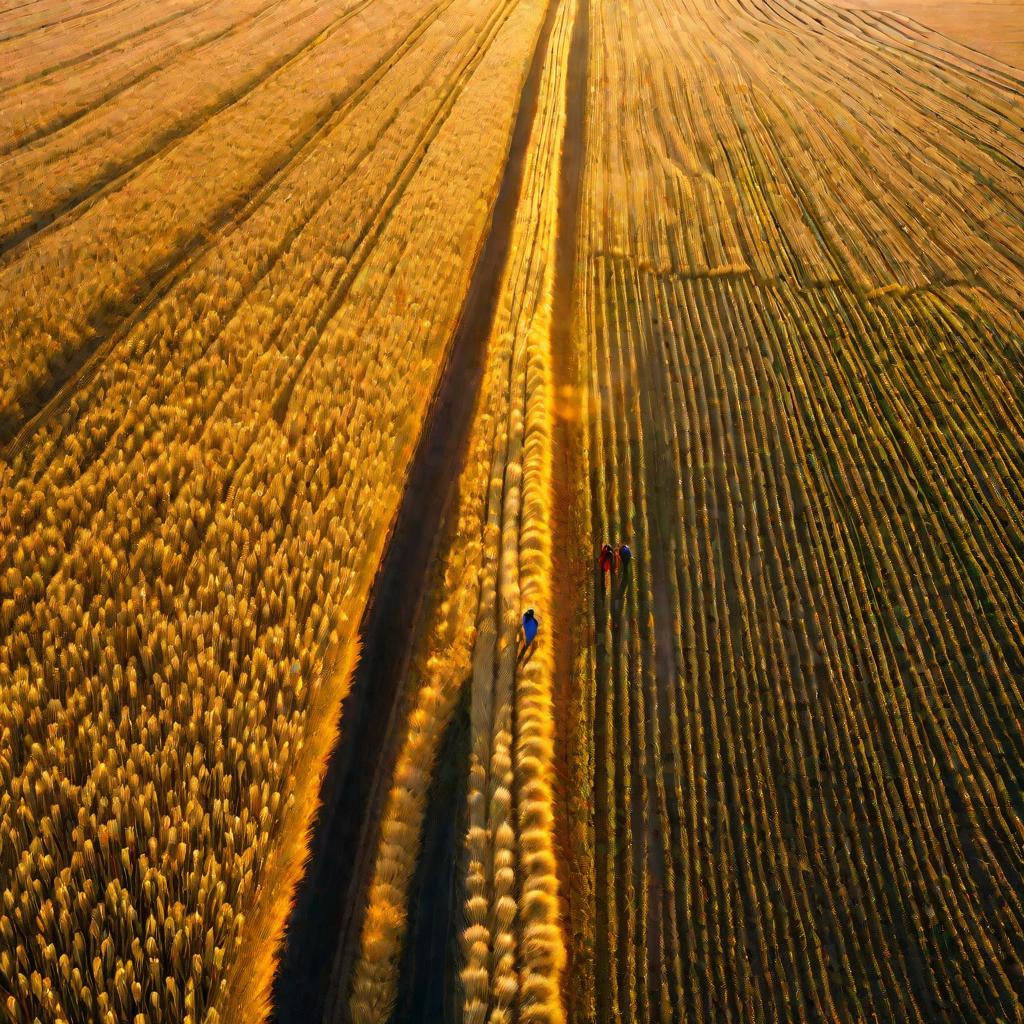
x,y
607,561
530,627
625,556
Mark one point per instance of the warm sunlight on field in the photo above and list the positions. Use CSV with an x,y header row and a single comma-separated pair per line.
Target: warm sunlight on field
x,y
336,338
994,28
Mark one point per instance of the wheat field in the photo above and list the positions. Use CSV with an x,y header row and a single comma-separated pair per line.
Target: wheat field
x,y
334,336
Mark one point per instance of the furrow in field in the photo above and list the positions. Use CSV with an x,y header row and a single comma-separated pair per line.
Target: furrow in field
x,y
806,375
510,888
571,571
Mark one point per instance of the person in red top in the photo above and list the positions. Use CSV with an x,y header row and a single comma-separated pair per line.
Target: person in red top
x,y
607,560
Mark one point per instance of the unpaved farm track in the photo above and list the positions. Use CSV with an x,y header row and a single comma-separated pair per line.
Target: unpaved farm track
x,y
570,545
323,932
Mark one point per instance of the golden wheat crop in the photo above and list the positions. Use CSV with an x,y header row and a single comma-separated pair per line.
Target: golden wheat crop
x,y
498,565
756,312
191,524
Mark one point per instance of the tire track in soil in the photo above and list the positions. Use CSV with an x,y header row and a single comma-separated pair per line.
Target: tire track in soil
x,y
570,560
323,931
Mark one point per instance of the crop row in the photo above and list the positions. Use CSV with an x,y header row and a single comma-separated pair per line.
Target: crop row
x,y
513,944
21,19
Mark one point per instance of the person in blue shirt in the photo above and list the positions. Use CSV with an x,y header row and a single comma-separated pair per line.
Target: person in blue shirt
x,y
530,626
625,555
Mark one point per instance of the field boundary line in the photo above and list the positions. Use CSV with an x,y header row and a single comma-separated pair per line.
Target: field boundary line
x,y
570,521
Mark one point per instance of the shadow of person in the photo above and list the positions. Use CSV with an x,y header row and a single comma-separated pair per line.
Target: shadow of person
x,y
524,653
619,591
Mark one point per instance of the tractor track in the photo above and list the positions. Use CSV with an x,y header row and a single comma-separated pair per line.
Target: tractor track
x,y
323,932
570,564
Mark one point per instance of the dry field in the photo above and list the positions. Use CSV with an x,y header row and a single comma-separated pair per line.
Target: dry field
x,y
987,28
334,335
803,342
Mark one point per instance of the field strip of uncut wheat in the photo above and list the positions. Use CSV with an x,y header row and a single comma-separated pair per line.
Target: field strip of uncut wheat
x,y
191,529
335,337
497,565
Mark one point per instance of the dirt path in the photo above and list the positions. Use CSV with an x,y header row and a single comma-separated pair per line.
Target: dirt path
x,y
323,931
570,562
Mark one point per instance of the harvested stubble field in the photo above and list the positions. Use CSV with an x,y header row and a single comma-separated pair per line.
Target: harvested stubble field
x,y
337,334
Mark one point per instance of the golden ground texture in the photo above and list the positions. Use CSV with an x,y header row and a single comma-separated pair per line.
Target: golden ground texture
x,y
991,28
758,314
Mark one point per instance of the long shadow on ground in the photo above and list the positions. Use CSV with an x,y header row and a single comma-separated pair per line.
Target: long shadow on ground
x,y
428,985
